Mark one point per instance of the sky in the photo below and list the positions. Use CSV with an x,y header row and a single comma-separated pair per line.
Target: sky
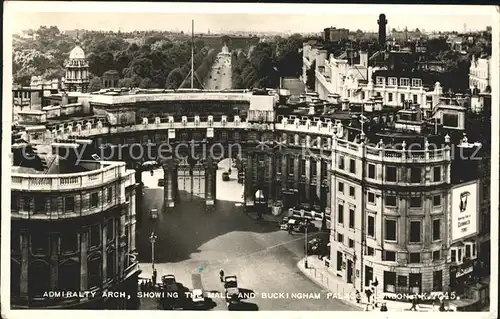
x,y
245,17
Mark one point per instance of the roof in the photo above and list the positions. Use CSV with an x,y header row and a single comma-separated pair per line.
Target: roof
x,y
77,53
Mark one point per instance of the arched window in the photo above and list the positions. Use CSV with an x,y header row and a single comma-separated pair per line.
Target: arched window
x,y
15,278
39,244
94,271
69,276
69,242
38,278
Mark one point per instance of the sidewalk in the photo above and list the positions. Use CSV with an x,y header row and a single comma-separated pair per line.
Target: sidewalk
x,y
318,273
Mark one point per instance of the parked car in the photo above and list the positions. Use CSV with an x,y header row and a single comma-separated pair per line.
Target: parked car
x,y
225,177
232,290
154,213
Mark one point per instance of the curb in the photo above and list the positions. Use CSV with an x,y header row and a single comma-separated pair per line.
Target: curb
x,y
319,283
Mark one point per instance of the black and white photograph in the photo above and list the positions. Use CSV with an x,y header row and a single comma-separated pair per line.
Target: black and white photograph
x,y
256,157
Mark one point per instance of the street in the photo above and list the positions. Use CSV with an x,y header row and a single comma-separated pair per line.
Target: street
x,y
220,75
191,240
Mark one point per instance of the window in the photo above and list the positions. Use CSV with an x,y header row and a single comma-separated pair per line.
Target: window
x,y
341,213
95,235
436,200
389,255
402,282
370,251
341,162
340,238
416,82
453,255
450,120
415,201
339,260
69,276
414,231
436,174
38,279
351,191
390,98
94,271
69,204
436,229
393,81
390,173
69,242
402,98
404,81
416,175
389,281
351,243
351,217
40,204
414,258
39,244
390,200
371,226
14,202
436,255
415,98
390,229
94,200
371,197
415,283
371,171
110,230
380,80
437,281
110,194
341,187
352,166
302,167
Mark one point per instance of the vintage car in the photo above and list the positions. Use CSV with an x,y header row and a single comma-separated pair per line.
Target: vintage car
x,y
225,176
154,213
284,223
232,290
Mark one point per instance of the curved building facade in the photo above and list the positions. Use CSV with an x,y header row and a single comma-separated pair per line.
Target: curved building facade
x,y
391,206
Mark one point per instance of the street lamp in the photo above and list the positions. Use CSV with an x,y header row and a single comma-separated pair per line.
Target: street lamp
x,y
306,246
152,239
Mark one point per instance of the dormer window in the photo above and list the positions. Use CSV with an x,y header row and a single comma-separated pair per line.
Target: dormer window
x,y
380,80
404,82
393,81
416,82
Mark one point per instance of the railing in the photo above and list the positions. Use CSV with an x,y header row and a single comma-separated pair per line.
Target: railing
x,y
62,182
177,96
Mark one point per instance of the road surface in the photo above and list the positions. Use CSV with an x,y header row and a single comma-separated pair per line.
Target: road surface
x,y
220,75
191,240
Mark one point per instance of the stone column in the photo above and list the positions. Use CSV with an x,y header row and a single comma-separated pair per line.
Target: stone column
x,y
328,179
210,169
271,161
169,188
24,264
84,236
105,254
318,177
296,171
308,179
249,176
54,261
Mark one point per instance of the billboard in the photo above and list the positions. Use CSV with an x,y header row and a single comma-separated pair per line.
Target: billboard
x,y
464,210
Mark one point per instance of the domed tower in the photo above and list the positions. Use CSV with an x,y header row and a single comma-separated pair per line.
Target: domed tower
x,y
77,71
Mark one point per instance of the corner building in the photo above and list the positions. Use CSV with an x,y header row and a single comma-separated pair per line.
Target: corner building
x,y
73,229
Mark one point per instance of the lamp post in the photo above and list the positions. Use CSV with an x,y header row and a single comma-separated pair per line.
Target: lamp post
x,y
152,239
306,248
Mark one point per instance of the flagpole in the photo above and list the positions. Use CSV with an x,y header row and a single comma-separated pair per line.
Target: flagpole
x,y
192,54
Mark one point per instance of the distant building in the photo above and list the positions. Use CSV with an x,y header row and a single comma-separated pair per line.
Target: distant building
x,y
77,70
480,73
110,79
334,35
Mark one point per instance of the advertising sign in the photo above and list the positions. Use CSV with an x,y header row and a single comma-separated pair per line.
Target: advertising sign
x,y
464,210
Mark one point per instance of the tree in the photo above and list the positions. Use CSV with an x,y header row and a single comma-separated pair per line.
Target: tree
x,y
95,84
175,78
126,83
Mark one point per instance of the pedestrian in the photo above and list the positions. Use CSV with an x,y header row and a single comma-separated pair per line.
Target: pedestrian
x,y
221,274
358,296
414,304
290,229
229,171
152,172
441,306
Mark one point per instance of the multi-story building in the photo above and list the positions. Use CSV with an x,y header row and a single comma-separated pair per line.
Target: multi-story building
x,y
392,205
73,228
333,34
480,73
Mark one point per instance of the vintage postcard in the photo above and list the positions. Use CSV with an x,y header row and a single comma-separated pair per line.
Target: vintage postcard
x,y
215,157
